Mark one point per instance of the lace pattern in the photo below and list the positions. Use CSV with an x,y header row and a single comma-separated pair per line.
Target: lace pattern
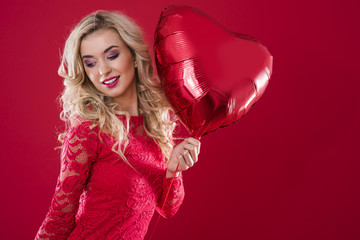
x,y
98,196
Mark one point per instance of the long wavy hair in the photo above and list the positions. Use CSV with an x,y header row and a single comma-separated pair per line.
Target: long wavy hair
x,y
81,99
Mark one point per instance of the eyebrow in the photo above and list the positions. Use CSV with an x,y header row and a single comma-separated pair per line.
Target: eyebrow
x,y
106,50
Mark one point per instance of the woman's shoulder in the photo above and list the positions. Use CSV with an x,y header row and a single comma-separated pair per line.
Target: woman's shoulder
x,y
82,126
80,136
77,121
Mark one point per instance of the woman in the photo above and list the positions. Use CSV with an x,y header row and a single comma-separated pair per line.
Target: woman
x,y
118,159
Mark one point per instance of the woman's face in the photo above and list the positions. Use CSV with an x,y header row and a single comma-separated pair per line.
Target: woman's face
x,y
109,65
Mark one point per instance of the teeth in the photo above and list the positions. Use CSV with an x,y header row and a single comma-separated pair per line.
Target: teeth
x,y
110,81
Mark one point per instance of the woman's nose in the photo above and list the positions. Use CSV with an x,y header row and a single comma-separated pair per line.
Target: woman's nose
x,y
104,69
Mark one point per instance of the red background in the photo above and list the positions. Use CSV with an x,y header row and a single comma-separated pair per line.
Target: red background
x,y
288,170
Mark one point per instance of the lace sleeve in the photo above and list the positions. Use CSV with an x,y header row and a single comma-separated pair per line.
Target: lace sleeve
x,y
174,199
78,153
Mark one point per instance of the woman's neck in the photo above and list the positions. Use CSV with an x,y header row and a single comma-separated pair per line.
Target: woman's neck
x,y
129,101
128,105
131,107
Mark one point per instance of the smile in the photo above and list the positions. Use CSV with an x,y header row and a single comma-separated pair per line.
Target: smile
x,y
111,82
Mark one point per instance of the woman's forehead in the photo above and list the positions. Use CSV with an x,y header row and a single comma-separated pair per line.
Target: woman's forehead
x,y
97,42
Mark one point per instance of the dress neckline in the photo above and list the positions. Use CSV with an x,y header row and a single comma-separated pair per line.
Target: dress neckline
x,y
133,119
124,116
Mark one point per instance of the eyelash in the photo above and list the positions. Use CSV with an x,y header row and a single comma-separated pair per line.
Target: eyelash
x,y
112,57
90,65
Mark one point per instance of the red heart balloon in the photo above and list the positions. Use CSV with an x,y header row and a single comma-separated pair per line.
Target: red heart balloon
x,y
211,76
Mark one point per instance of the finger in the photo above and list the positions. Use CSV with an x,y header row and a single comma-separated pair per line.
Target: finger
x,y
188,159
192,140
193,151
195,142
182,163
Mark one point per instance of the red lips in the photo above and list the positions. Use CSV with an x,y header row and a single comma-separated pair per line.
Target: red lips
x,y
111,82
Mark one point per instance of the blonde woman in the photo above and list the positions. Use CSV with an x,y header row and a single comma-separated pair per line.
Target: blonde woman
x,y
118,158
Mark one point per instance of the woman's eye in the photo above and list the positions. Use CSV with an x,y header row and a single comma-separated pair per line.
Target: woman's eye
x,y
89,64
113,56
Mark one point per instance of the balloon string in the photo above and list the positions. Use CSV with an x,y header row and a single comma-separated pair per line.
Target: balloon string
x,y
162,208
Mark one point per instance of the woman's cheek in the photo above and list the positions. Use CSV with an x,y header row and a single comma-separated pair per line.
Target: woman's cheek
x,y
92,78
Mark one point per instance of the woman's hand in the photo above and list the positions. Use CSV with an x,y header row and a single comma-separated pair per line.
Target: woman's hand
x,y
185,154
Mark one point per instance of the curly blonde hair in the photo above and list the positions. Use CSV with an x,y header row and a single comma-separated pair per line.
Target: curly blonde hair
x,y
81,99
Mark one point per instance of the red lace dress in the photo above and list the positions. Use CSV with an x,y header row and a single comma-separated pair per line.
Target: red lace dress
x,y
99,196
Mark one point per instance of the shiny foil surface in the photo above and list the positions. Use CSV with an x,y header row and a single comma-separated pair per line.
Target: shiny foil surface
x,y
210,76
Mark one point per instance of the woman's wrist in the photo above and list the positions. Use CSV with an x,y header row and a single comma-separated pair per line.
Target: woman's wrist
x,y
170,174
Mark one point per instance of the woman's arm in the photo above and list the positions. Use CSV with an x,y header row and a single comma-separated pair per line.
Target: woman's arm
x,y
78,153
183,157
173,194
